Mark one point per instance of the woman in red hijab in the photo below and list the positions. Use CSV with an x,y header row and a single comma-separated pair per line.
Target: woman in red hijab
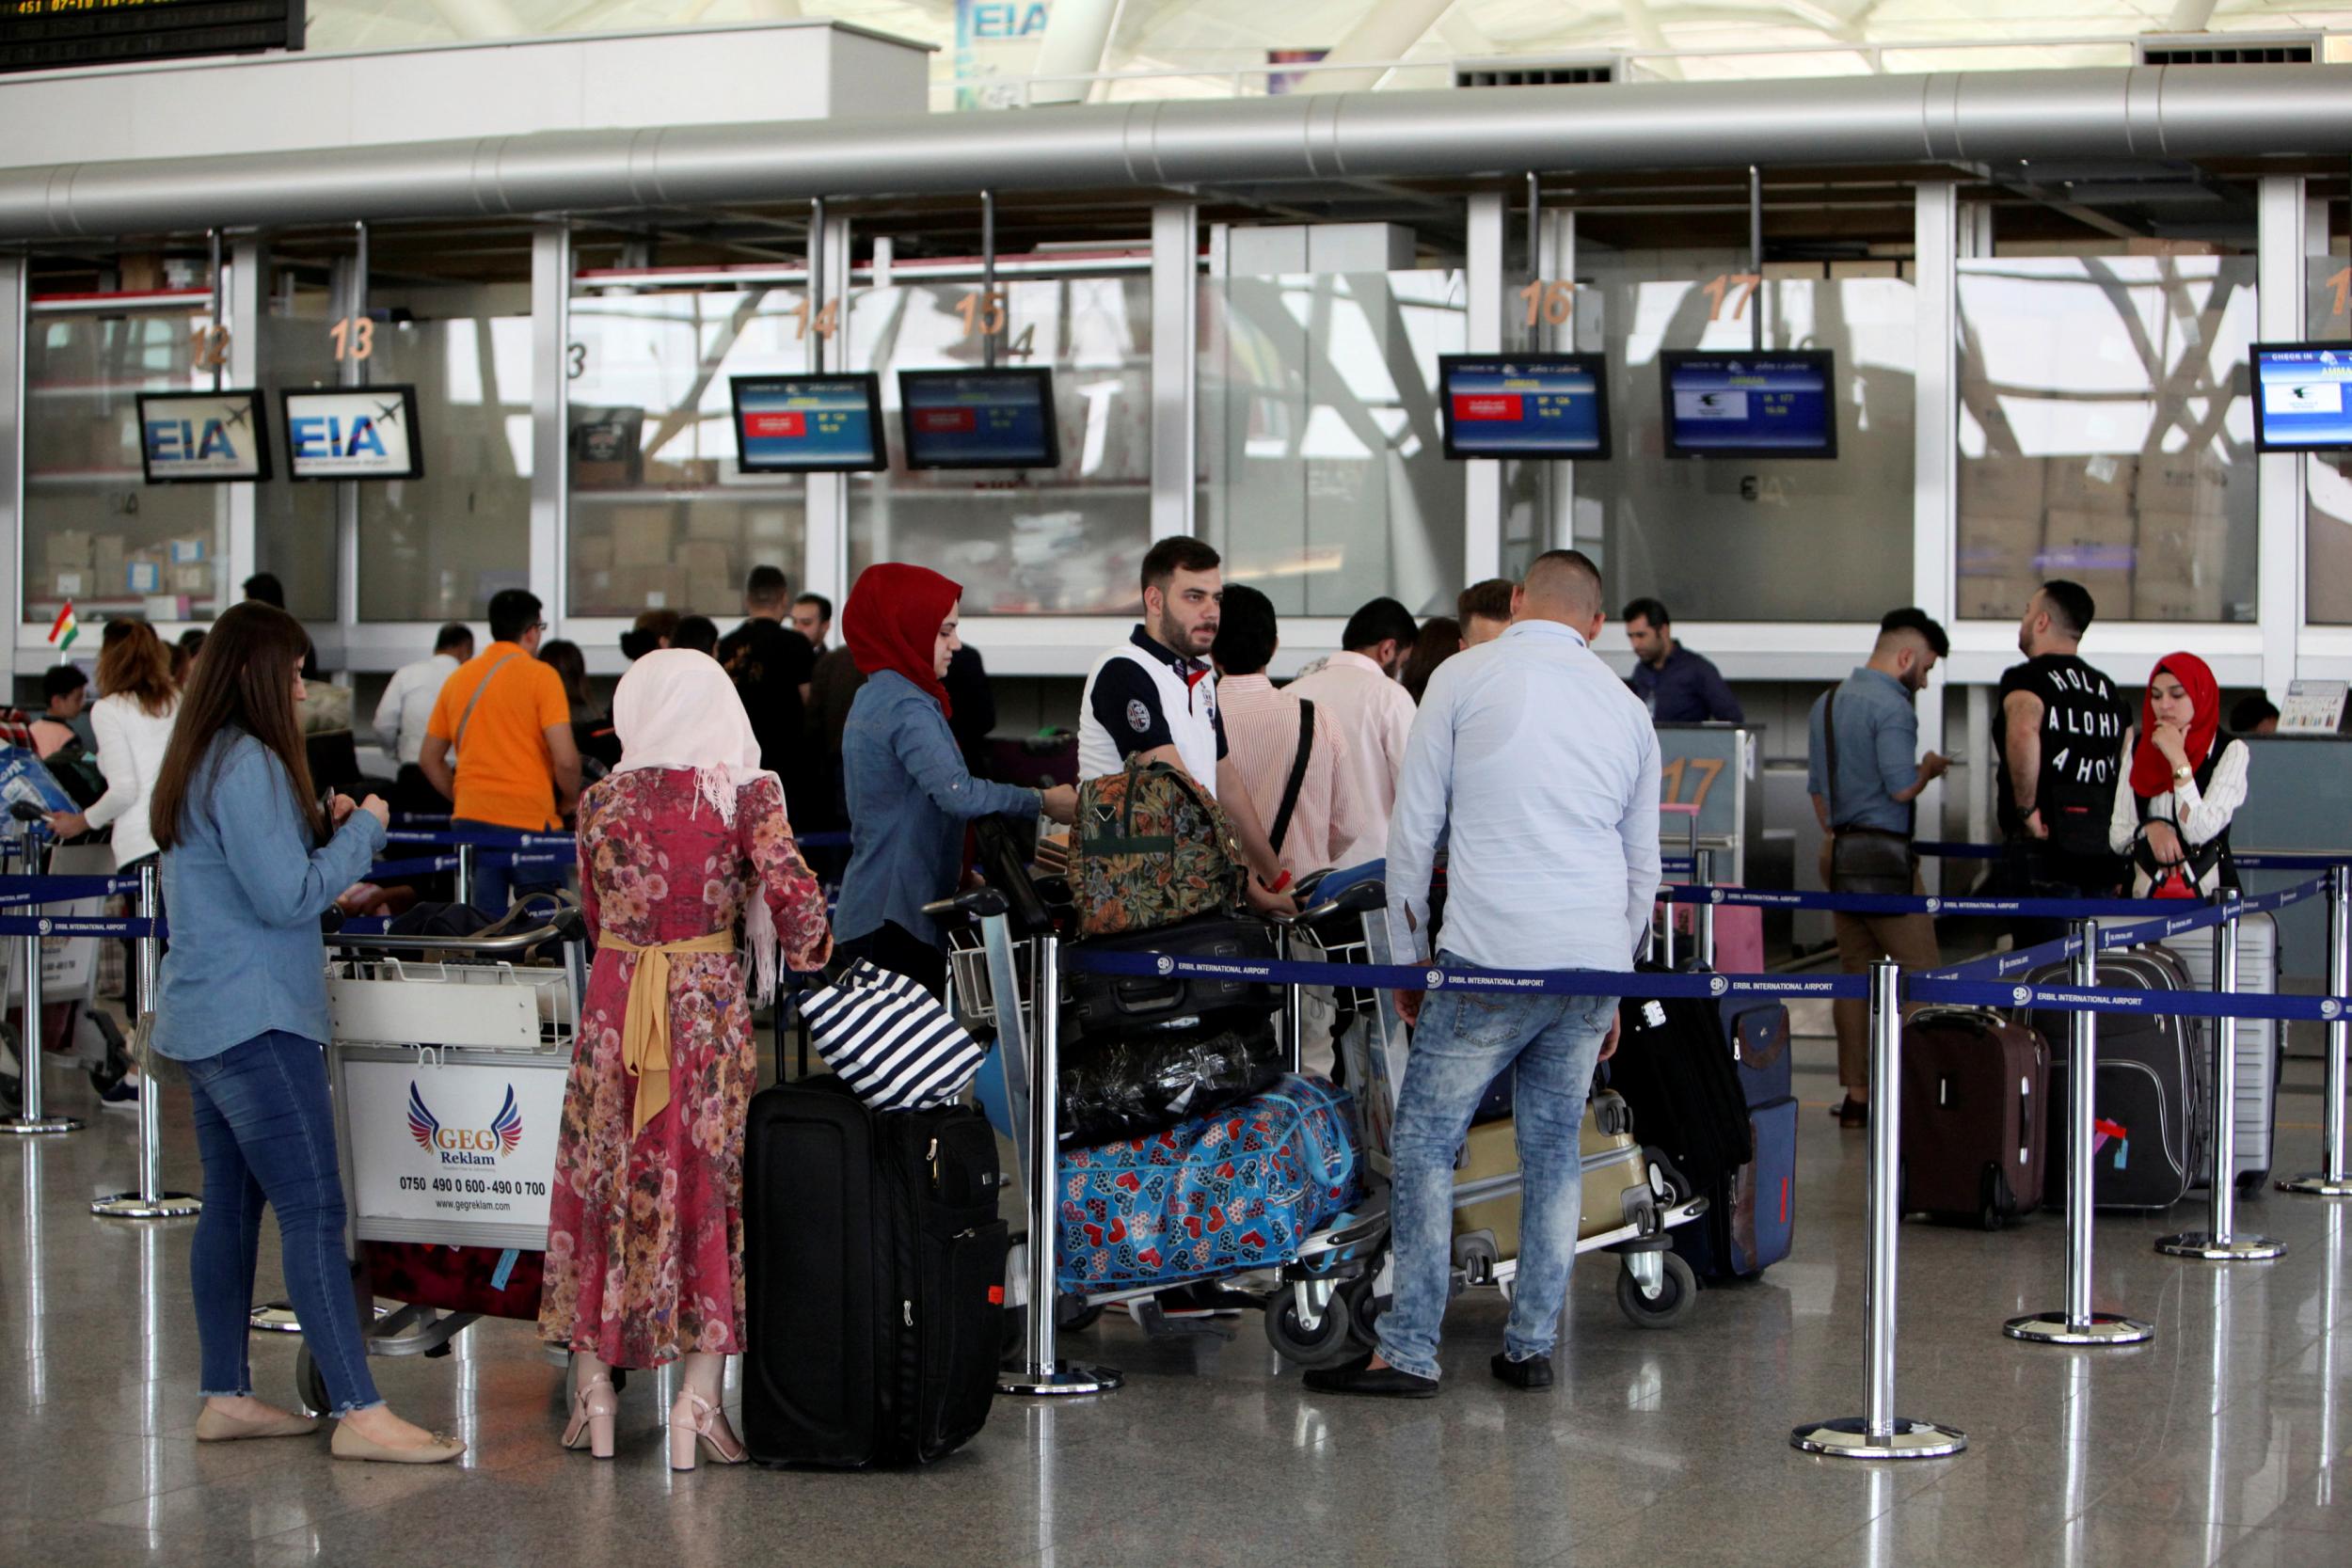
x,y
910,794
2173,810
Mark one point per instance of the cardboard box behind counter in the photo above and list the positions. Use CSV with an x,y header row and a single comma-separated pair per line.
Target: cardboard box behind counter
x,y
2002,484
2102,482
66,550
2187,550
640,588
1993,544
1992,595
2176,601
2183,484
593,552
642,535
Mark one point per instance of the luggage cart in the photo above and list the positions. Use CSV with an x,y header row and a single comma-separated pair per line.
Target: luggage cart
x,y
1655,1287
68,965
447,1062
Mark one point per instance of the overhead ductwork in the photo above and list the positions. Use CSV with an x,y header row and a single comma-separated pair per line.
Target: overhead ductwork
x,y
1984,117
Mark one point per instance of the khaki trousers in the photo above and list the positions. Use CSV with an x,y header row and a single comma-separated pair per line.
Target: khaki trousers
x,y
1862,940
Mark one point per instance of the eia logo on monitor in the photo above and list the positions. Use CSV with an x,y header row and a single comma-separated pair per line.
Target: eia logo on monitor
x,y
465,1146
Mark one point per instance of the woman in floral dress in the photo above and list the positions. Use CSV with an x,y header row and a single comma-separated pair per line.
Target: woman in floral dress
x,y
645,1260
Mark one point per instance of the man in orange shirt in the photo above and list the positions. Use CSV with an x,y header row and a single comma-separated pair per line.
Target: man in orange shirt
x,y
500,744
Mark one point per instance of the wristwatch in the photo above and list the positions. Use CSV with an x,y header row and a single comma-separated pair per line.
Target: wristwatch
x,y
2182,776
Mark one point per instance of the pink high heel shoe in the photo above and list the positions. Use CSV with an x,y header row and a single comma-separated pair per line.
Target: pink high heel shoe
x,y
707,1433
593,1409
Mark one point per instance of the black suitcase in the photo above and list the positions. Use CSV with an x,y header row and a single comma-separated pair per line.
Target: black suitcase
x,y
2150,1119
1106,1005
874,1271
1974,1130
1676,1070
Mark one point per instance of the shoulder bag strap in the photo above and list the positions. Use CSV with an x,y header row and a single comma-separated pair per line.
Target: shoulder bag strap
x,y
458,741
1298,775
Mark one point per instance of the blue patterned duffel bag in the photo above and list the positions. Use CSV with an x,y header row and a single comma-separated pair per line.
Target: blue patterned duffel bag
x,y
1214,1196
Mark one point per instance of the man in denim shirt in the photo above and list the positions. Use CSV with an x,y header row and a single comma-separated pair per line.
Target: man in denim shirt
x,y
1878,739
1544,769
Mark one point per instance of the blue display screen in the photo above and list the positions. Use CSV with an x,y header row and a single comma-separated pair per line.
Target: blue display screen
x,y
1528,406
808,423
2303,397
978,419
1750,404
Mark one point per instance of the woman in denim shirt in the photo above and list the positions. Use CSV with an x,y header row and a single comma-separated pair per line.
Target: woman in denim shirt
x,y
908,791
249,867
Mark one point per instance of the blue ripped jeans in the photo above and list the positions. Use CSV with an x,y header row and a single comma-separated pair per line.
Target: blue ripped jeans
x,y
267,1130
1464,1038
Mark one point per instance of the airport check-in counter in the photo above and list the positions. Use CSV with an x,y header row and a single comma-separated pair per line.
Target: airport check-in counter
x,y
2294,803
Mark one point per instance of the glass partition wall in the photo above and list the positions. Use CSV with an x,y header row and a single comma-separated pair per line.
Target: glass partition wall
x,y
2099,422
2105,434
94,532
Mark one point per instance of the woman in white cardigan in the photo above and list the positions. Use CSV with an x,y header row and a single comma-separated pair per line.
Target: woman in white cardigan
x,y
2174,805
131,719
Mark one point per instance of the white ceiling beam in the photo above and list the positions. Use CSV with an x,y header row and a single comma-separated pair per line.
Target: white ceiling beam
x,y
480,19
1386,33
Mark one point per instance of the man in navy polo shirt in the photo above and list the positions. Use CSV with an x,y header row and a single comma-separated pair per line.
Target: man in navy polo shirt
x,y
1155,696
1678,686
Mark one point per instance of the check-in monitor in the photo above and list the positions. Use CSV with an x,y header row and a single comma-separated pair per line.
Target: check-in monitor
x,y
800,424
1771,405
1530,406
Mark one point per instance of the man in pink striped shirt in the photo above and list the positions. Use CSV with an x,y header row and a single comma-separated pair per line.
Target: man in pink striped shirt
x,y
1262,729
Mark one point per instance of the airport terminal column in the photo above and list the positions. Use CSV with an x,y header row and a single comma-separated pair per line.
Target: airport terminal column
x,y
2334,1176
30,1121
2077,1323
1032,1092
1878,1433
148,1201
2219,1241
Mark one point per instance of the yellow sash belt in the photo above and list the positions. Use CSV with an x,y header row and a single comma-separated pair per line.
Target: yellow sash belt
x,y
645,1026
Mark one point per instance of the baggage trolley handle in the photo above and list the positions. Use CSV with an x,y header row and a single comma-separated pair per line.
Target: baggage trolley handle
x,y
514,942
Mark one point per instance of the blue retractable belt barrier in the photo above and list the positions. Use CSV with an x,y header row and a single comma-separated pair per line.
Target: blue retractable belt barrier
x,y
2246,860
17,891
2081,999
1560,982
386,870
1905,903
2192,917
77,926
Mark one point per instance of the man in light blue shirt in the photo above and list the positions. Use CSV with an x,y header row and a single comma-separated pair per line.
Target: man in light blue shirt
x,y
1543,767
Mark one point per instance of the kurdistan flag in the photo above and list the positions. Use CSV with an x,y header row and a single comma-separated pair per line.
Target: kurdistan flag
x,y
61,635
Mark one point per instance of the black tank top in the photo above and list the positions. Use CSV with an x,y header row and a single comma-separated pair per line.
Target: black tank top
x,y
2083,720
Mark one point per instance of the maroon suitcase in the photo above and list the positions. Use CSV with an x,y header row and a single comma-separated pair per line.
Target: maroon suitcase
x,y
1974,1130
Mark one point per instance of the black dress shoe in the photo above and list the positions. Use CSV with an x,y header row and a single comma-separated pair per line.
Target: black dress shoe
x,y
1363,1377
1853,1114
1533,1373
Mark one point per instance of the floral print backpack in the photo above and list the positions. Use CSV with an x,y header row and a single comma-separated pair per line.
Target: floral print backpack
x,y
1151,847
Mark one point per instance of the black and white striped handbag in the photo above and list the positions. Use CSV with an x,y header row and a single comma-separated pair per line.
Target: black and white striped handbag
x,y
894,1043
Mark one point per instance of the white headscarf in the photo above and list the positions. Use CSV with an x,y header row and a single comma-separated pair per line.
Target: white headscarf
x,y
676,708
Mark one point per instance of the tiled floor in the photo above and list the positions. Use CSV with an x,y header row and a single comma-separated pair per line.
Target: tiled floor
x,y
2227,1439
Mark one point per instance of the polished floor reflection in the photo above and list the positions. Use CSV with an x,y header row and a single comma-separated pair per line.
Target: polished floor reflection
x,y
2229,1439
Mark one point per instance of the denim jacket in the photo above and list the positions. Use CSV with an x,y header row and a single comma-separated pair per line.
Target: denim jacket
x,y
243,891
910,795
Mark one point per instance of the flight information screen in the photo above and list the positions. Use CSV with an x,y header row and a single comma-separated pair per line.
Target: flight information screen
x,y
797,425
1750,404
2303,397
978,419
1531,405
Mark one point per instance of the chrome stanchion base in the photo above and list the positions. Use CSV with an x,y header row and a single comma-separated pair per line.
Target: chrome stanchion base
x,y
2105,1328
273,1317
131,1206
2316,1185
1850,1437
2198,1243
40,1127
1064,1378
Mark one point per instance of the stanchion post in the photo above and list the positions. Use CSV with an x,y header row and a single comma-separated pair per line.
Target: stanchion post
x,y
1878,1433
465,874
1039,1373
31,1121
149,1201
1703,874
2219,1241
2078,1323
2334,1176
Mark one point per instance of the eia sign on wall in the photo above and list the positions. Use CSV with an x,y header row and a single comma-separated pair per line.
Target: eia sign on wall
x,y
203,437
362,433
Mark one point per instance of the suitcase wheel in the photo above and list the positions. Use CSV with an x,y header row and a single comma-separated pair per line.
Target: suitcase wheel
x,y
1677,1292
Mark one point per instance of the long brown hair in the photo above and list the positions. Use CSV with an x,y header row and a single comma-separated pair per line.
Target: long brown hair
x,y
244,681
136,664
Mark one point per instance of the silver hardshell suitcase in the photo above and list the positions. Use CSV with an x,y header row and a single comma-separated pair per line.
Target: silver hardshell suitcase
x,y
2259,1041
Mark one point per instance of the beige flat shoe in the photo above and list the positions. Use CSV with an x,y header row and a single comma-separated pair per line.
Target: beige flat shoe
x,y
213,1427
347,1444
